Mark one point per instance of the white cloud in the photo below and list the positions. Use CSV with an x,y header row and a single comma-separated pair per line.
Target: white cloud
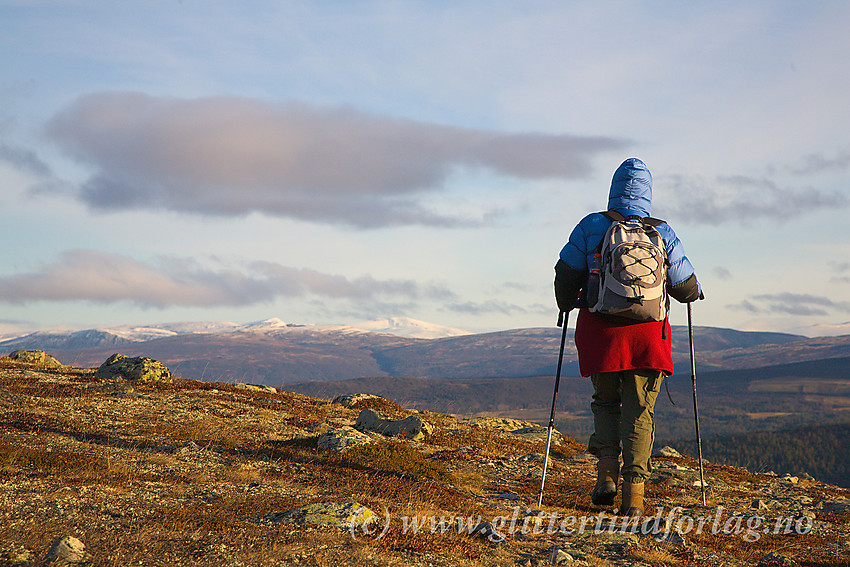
x,y
233,156
738,199
722,273
819,162
100,277
796,304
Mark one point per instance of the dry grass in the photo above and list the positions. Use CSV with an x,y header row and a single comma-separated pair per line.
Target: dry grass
x,y
185,473
655,556
396,457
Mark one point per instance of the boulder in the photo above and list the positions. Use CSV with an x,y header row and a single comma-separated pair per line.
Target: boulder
x,y
363,401
558,556
666,451
15,555
38,357
538,433
341,514
841,506
139,369
256,388
412,427
341,439
351,400
500,423
774,559
67,551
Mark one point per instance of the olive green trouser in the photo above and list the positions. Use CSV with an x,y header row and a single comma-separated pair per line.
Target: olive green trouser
x,y
623,405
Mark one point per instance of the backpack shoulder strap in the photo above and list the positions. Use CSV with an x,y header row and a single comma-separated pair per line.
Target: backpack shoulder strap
x,y
613,215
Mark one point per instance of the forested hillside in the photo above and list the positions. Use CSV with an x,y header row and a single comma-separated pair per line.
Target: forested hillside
x,y
823,451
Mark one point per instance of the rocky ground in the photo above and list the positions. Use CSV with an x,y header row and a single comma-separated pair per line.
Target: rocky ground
x,y
125,467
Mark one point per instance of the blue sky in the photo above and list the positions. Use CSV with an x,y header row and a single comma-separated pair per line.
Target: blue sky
x,y
329,162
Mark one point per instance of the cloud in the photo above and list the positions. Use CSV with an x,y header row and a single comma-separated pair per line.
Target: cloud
x,y
817,163
840,268
792,304
24,160
722,273
739,199
108,278
233,156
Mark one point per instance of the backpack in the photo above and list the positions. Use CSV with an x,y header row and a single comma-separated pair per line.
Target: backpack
x,y
629,273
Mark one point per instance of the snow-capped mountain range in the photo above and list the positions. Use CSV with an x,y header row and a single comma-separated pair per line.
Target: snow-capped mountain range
x,y
398,326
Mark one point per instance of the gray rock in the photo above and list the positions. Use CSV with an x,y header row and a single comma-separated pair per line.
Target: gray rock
x,y
559,557
583,457
412,427
341,439
15,556
837,507
139,369
350,400
507,496
256,388
531,457
774,559
673,537
615,538
486,530
36,357
666,451
537,433
759,504
66,550
341,514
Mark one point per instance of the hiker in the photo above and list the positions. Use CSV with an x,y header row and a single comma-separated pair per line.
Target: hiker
x,y
626,358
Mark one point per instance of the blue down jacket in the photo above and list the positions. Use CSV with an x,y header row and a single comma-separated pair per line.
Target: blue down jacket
x,y
630,194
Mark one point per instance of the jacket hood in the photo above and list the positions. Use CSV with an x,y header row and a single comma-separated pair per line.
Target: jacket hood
x,y
631,189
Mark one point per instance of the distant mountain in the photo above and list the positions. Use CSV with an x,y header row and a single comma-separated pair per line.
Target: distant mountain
x,y
411,328
397,326
276,352
45,340
824,330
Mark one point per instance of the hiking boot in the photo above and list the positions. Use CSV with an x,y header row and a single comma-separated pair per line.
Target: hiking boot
x,y
632,500
607,475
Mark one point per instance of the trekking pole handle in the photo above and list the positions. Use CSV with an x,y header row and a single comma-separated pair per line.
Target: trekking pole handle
x,y
561,318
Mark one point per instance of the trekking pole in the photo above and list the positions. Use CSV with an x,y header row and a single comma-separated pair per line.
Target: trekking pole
x,y
696,415
563,317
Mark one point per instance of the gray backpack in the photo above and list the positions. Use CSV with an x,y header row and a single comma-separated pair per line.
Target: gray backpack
x,y
629,273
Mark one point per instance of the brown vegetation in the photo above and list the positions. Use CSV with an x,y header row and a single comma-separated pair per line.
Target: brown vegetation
x,y
187,474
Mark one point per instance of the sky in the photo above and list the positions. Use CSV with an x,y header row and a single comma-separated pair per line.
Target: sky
x,y
335,162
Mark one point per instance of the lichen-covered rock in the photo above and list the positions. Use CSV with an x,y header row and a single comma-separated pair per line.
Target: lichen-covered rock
x,y
341,439
67,551
15,555
841,506
666,451
349,400
256,388
371,401
340,514
412,427
138,369
38,357
538,433
500,423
